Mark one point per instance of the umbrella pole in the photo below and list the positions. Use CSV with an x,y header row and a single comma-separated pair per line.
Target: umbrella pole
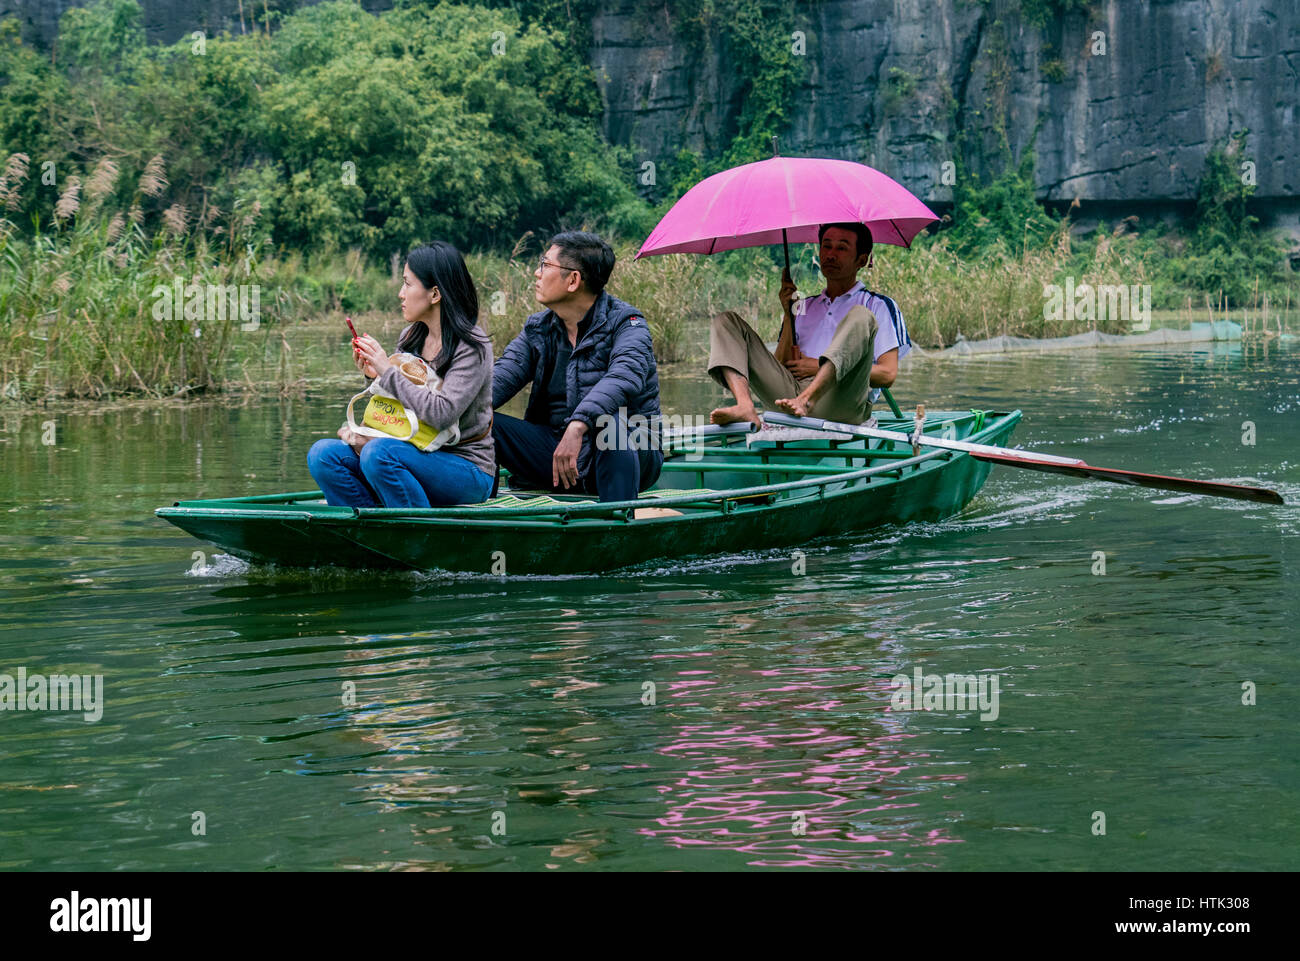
x,y
785,246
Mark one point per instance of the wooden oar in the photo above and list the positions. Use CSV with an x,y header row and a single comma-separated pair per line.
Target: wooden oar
x,y
1048,463
707,430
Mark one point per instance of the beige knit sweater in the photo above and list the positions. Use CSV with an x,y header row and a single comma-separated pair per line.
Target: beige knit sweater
x,y
465,398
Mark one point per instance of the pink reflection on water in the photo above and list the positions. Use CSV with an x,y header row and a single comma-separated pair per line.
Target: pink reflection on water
x,y
852,777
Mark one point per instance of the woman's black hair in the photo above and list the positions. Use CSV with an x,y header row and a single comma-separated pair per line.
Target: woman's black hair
x,y
441,265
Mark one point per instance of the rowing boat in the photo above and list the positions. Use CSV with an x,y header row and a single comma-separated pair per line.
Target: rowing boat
x,y
722,490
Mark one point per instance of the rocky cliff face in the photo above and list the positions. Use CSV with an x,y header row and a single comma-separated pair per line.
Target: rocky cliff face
x,y
1125,101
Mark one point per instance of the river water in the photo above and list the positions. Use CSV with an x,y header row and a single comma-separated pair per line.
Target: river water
x,y
261,719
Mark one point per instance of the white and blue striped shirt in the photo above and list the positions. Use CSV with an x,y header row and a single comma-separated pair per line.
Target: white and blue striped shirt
x,y
816,319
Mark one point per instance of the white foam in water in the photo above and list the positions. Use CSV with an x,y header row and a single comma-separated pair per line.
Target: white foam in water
x,y
1037,502
713,562
221,565
1158,423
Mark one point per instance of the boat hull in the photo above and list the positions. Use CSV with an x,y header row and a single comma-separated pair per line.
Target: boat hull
x,y
929,488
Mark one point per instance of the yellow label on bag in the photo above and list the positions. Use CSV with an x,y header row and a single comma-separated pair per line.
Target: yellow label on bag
x,y
388,415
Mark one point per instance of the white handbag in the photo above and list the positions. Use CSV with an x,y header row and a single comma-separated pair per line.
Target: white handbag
x,y
386,416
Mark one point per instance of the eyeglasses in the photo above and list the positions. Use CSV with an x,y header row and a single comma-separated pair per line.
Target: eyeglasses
x,y
544,263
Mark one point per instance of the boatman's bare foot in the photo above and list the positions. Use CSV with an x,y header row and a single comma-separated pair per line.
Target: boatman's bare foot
x,y
735,414
799,406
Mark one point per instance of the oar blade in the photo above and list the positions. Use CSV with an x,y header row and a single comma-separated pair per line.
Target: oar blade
x,y
1183,485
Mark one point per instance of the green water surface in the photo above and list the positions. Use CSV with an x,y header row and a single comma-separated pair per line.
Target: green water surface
x,y
328,720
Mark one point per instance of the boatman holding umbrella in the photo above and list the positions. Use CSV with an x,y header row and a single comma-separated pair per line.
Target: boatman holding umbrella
x,y
836,349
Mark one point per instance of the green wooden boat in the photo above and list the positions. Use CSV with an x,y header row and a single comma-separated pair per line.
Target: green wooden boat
x,y
722,490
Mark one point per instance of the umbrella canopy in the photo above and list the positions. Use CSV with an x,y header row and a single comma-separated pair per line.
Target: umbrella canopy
x,y
787,199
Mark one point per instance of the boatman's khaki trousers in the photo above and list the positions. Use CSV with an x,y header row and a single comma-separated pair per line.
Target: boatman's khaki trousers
x,y
735,344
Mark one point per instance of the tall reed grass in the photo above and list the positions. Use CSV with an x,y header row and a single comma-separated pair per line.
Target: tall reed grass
x,y
77,293
945,297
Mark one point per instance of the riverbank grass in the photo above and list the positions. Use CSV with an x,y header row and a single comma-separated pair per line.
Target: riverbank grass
x,y
92,306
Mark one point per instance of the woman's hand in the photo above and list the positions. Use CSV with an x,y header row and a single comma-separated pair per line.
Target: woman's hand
x,y
370,354
363,365
360,360
352,438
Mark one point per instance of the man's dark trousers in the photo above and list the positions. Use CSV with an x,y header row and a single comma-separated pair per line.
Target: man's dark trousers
x,y
616,474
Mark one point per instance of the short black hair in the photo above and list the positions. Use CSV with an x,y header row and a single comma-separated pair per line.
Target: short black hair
x,y
861,231
589,255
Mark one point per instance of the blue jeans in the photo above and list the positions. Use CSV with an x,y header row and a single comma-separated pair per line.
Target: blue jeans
x,y
393,473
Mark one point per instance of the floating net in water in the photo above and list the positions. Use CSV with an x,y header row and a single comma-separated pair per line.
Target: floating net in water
x,y
1218,330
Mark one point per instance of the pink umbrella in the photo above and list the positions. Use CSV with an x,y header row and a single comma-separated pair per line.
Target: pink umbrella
x,y
786,199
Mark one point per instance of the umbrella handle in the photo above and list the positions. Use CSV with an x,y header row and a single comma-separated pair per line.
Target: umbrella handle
x,y
785,246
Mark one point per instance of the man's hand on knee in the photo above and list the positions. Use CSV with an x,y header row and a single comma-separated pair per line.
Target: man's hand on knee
x,y
564,463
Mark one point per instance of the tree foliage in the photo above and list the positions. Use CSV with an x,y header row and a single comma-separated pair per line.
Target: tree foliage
x,y
350,129
1002,213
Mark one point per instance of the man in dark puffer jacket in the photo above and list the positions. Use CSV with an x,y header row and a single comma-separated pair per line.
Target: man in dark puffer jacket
x,y
593,413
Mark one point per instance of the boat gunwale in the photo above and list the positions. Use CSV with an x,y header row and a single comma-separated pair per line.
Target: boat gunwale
x,y
610,510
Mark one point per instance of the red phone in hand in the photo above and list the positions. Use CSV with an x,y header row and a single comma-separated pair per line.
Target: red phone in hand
x,y
351,328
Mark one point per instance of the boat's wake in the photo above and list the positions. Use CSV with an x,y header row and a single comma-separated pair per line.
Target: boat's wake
x,y
221,565
711,563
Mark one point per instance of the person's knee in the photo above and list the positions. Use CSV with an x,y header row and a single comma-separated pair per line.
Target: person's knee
x,y
861,320
727,320
325,452
380,452
651,464
504,424
853,340
616,446
510,441
508,432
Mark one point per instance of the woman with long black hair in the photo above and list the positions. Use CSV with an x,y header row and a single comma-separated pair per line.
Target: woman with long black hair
x,y
440,306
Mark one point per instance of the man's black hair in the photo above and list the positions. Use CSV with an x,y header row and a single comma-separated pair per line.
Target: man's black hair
x,y
587,254
861,231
